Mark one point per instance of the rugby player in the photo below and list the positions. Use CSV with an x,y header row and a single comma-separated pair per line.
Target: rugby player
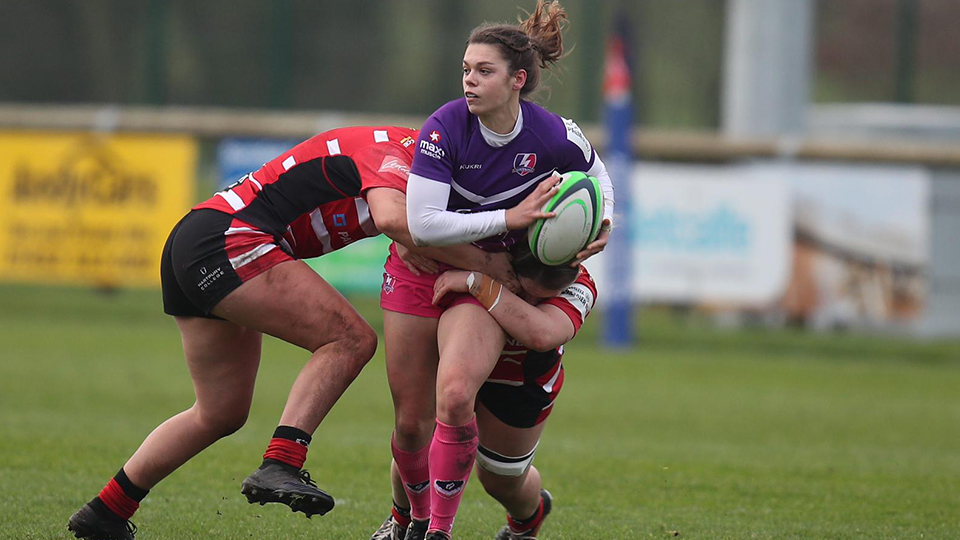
x,y
231,271
514,402
484,166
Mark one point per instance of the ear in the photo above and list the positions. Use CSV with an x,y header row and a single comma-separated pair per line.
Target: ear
x,y
520,78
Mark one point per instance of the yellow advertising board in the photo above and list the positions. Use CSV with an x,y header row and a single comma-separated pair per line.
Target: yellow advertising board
x,y
94,209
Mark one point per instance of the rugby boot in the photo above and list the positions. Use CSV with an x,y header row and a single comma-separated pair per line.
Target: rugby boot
x,y
390,530
417,530
437,535
282,483
92,524
530,534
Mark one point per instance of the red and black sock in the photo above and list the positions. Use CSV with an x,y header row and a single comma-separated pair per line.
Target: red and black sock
x,y
531,523
288,446
119,497
401,515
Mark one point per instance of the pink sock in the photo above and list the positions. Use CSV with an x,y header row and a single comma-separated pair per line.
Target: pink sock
x,y
452,454
415,474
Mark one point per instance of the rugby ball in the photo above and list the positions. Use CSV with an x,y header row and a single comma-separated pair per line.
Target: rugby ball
x,y
578,205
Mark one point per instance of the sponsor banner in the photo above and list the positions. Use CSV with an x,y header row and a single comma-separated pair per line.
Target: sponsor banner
x,y
239,156
357,268
707,234
83,208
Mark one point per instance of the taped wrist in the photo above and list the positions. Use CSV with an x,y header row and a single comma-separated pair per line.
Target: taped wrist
x,y
485,289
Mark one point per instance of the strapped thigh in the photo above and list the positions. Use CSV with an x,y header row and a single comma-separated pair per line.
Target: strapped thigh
x,y
505,465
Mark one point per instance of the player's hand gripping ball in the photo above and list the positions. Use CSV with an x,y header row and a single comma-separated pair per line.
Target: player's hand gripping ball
x,y
579,210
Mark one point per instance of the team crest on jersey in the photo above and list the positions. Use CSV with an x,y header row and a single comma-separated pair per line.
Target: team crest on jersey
x,y
389,283
435,136
407,141
448,488
524,164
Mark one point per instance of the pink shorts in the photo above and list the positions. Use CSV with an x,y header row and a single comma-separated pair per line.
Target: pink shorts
x,y
405,292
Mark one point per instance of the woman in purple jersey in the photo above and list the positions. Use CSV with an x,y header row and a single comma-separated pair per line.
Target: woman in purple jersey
x,y
485,165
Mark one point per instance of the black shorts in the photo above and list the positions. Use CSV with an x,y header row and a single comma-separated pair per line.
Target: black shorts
x,y
528,404
208,255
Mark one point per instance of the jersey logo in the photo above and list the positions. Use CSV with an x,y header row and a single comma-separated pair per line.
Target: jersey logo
x,y
393,165
580,297
407,141
429,149
448,488
524,164
339,220
576,136
435,136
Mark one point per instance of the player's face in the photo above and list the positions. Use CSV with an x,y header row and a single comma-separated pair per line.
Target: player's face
x,y
534,292
487,83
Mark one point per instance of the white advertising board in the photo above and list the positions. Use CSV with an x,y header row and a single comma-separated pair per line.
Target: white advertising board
x,y
719,234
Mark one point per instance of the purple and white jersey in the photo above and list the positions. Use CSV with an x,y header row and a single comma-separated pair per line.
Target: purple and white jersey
x,y
452,149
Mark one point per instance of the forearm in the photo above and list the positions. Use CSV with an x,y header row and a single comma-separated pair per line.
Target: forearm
x,y
537,328
430,224
465,256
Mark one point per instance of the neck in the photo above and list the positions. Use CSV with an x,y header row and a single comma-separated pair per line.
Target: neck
x,y
503,120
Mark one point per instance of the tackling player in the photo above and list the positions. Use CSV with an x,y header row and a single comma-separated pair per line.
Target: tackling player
x,y
514,402
231,271
484,166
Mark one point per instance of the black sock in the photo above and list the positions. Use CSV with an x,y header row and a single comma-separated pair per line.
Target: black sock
x,y
531,519
129,488
404,512
292,434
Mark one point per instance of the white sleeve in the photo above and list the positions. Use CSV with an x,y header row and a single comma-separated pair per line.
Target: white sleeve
x,y
431,224
599,171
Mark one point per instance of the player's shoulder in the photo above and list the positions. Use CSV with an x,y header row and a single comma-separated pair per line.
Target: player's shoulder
x,y
364,135
447,131
581,294
452,115
540,119
584,278
555,129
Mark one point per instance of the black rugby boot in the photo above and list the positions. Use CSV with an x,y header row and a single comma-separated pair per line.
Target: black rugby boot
x,y
390,530
281,483
417,530
91,523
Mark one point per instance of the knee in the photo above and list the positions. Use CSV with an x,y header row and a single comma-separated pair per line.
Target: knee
x,y
360,344
455,402
413,432
223,422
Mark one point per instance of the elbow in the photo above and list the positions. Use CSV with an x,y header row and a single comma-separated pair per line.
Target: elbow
x,y
422,236
395,229
417,239
542,340
417,229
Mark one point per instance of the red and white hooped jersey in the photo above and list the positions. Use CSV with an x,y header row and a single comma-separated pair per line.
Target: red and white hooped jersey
x,y
310,198
518,365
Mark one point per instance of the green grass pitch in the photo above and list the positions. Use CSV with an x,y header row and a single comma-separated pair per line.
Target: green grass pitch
x,y
696,433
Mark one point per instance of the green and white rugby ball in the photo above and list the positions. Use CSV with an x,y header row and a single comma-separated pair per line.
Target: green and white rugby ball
x,y
579,208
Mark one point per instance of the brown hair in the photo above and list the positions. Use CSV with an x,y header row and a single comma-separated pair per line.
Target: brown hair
x,y
525,264
533,44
